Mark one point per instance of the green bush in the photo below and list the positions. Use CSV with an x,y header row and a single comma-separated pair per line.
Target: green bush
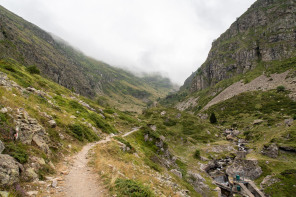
x,y
197,154
82,132
9,68
280,89
294,117
109,111
131,188
213,118
33,70
17,151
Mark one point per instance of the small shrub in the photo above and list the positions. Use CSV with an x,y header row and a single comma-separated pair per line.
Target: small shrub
x,y
17,151
197,154
213,118
280,89
109,111
132,188
294,117
45,170
9,68
33,70
82,132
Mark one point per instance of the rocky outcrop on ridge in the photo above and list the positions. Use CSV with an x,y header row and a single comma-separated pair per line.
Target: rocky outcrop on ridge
x,y
264,33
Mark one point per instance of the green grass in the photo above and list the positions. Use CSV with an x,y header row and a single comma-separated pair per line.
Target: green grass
x,y
82,132
131,188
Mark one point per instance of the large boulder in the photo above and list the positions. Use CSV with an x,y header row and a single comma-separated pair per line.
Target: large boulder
x,y
271,151
2,147
247,168
10,170
197,181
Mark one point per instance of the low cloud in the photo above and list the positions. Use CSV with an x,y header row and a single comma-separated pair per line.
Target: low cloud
x,y
172,37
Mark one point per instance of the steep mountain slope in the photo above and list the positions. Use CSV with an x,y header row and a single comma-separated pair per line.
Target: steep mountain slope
x,y
264,33
247,90
29,45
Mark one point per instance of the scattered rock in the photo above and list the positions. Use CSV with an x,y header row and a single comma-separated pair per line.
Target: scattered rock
x,y
197,181
271,151
54,183
163,113
177,173
2,147
258,121
32,193
52,123
268,181
289,122
9,170
73,117
250,168
4,194
30,175
4,110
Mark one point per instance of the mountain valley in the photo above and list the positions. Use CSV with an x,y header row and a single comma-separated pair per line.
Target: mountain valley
x,y
228,131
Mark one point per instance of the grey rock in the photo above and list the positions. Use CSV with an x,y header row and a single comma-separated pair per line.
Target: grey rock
x,y
30,175
268,181
271,151
52,123
2,147
247,168
32,193
54,183
9,170
258,121
163,113
289,122
4,194
4,110
177,173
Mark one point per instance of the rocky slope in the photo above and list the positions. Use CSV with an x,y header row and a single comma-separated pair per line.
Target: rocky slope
x,y
264,33
57,60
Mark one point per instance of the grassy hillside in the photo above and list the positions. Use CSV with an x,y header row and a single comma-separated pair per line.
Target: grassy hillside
x,y
29,45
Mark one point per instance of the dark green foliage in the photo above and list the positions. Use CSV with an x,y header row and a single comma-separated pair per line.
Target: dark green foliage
x,y
33,70
102,124
131,188
213,118
126,118
9,68
109,111
197,154
280,89
170,122
17,151
294,117
82,132
77,106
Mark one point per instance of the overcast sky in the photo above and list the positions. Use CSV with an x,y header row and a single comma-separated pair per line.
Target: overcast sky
x,y
168,36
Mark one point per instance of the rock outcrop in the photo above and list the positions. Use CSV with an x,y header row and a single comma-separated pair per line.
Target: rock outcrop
x,y
29,131
271,151
247,168
10,170
264,33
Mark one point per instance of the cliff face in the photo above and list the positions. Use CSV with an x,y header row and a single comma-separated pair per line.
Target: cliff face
x,y
266,32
